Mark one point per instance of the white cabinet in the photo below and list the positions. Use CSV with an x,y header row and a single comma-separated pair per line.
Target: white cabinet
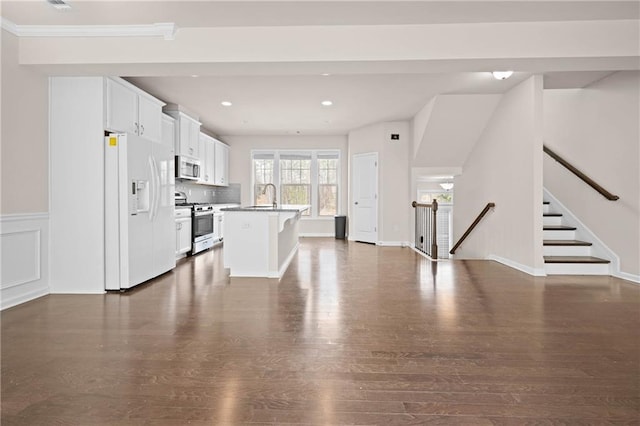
x,y
187,134
214,161
207,159
220,218
129,109
221,174
168,131
150,118
183,231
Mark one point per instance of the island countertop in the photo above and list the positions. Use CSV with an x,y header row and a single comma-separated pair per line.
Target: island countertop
x,y
269,208
261,241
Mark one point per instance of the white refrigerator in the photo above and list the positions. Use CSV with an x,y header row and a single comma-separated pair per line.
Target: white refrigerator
x,y
139,210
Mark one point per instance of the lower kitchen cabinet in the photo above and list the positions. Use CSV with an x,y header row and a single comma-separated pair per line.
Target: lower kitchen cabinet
x,y
183,232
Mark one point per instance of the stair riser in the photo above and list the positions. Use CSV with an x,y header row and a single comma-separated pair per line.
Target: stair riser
x,y
552,220
559,235
577,269
545,208
567,250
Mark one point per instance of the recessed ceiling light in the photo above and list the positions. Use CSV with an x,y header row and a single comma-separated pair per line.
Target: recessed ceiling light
x,y
502,75
59,4
194,75
325,74
327,103
226,103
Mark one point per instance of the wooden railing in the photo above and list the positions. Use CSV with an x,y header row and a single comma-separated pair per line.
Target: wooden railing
x,y
425,235
606,194
473,225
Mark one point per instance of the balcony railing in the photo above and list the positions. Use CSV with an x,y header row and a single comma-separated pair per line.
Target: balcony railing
x,y
426,228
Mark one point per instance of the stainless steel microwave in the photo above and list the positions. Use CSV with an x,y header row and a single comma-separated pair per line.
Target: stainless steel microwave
x,y
187,168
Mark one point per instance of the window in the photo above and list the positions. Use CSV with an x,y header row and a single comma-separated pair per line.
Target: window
x,y
302,177
262,174
295,179
426,197
327,184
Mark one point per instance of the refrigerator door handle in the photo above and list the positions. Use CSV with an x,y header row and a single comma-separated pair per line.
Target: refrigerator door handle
x,y
153,189
157,187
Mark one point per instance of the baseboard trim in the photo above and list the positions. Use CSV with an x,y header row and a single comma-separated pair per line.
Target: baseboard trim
x,y
23,298
287,261
635,279
316,234
520,267
393,244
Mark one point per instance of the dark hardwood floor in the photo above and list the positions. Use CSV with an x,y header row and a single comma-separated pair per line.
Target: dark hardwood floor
x,y
352,334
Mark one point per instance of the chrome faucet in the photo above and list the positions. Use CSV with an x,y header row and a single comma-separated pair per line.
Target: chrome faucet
x,y
264,191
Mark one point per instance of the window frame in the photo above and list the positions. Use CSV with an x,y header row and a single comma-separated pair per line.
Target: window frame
x,y
314,171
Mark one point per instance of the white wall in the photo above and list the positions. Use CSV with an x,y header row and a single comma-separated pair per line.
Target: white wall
x,y
597,130
25,134
240,169
394,185
24,218
505,167
452,129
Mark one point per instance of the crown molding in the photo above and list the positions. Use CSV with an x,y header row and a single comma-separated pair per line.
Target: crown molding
x,y
166,30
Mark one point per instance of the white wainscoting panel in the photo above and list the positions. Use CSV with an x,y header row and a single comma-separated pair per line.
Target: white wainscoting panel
x,y
24,258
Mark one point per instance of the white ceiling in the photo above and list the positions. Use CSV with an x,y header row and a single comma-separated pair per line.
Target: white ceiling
x,y
284,98
292,104
211,13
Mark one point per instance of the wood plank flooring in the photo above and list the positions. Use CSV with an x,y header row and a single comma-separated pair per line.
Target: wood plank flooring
x,y
352,334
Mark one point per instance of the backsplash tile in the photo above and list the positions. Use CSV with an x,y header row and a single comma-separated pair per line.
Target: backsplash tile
x,y
210,194
227,194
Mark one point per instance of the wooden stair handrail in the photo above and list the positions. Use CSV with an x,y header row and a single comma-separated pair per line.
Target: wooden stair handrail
x,y
606,194
473,225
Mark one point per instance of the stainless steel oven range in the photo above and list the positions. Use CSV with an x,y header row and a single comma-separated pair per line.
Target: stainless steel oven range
x,y
202,223
202,227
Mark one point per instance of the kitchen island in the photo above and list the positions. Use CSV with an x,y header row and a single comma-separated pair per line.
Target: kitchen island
x,y
260,241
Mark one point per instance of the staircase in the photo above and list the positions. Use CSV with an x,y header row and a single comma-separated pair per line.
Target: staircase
x,y
563,253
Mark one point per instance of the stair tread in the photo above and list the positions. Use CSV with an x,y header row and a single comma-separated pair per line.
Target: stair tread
x,y
574,259
552,214
545,202
565,243
558,228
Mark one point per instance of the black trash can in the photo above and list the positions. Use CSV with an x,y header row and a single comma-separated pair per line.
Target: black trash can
x,y
341,227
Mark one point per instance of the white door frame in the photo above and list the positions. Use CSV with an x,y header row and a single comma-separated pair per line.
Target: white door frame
x,y
369,236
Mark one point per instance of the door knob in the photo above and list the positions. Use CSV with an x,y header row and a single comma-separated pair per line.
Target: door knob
x,y
356,202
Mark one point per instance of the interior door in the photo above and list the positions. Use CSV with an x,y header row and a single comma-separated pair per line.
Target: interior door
x,y
364,226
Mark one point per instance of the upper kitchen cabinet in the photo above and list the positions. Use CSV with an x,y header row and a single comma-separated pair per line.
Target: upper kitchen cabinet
x,y
214,160
187,133
207,159
168,131
131,110
221,175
